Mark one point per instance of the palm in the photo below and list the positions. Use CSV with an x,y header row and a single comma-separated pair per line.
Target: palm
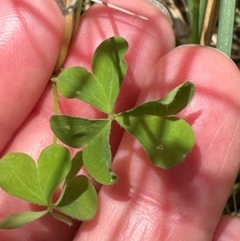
x,y
147,203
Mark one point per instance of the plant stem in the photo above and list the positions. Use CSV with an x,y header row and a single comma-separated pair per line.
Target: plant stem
x,y
70,28
202,13
226,22
209,22
65,42
77,17
193,6
197,11
55,106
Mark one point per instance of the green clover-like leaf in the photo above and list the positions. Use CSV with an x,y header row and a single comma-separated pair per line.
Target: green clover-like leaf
x,y
175,101
22,178
17,220
97,157
74,131
101,88
77,163
166,140
54,163
79,199
94,136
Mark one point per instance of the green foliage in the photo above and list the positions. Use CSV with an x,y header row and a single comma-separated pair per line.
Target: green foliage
x,y
22,178
166,139
95,89
79,199
17,220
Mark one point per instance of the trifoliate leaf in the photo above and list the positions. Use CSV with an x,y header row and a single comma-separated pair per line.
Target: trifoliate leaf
x,y
101,88
171,104
79,200
97,157
166,140
74,131
17,220
22,178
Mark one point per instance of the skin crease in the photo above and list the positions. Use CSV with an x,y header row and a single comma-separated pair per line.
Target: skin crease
x,y
147,203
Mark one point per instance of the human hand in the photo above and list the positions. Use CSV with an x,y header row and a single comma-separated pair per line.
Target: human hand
x,y
147,203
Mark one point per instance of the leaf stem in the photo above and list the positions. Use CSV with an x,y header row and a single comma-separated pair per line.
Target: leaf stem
x,y
55,105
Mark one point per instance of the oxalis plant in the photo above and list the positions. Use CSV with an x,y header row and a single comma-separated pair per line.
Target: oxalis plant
x,y
165,138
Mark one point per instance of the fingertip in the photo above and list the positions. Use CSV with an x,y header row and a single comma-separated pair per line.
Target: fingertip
x,y
228,228
30,41
206,67
147,39
153,34
213,65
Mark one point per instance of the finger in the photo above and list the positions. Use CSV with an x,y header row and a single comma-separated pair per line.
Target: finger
x,y
148,39
30,40
149,203
36,134
227,229
98,24
45,228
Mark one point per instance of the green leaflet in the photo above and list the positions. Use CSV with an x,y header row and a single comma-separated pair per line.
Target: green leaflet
x,y
77,163
166,140
18,177
101,88
17,220
97,157
109,66
54,163
74,131
79,199
21,177
94,136
175,101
